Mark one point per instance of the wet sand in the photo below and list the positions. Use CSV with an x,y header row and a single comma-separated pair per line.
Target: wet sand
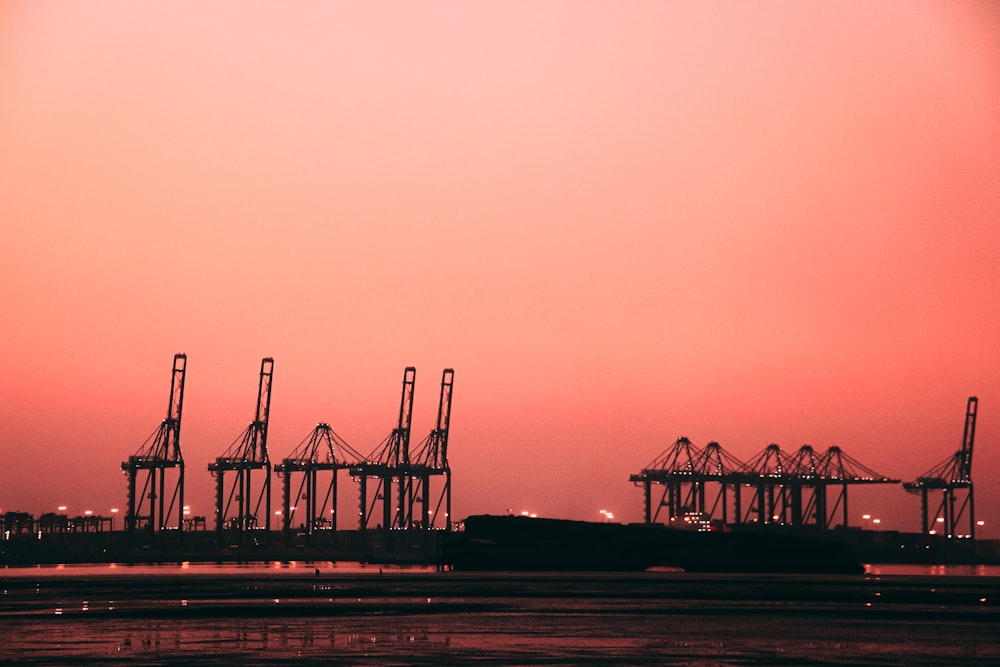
x,y
292,616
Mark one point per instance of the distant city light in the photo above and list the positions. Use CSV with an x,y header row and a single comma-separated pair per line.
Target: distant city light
x,y
866,516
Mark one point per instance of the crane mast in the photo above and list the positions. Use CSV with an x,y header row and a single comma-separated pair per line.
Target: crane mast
x,y
147,507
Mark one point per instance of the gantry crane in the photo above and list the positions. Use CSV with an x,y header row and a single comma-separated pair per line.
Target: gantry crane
x,y
784,489
431,461
837,470
321,451
792,489
246,454
686,472
147,508
951,477
389,463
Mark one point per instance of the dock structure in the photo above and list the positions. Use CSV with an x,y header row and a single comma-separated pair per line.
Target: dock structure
x,y
772,488
317,462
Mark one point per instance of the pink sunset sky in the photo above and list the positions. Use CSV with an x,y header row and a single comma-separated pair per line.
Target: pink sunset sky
x,y
618,222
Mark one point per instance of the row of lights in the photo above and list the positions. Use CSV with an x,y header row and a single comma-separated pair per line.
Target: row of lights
x,y
605,514
980,523
114,513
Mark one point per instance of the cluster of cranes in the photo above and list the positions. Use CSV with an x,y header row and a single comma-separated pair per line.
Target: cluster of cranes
x,y
694,483
706,484
413,487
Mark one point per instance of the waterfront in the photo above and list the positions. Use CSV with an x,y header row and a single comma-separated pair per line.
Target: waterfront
x,y
285,613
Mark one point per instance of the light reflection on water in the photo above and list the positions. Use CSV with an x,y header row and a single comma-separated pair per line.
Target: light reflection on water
x,y
933,570
299,568
296,568
284,613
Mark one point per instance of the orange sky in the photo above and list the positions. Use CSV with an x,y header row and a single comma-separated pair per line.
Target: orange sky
x,y
618,222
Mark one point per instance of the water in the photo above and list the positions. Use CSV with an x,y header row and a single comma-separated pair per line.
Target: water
x,y
284,613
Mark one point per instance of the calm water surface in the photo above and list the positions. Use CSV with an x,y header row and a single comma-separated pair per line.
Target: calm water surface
x,y
288,613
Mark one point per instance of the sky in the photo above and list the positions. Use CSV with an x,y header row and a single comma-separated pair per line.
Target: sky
x,y
619,223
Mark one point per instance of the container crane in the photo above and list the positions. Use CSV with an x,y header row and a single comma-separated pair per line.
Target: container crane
x,y
147,508
431,460
951,477
389,463
321,451
246,454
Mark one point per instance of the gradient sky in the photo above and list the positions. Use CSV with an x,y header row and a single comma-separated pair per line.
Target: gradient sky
x,y
618,222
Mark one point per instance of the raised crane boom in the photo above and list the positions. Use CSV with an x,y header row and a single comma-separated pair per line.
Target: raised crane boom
x,y
263,409
172,446
968,439
401,450
433,452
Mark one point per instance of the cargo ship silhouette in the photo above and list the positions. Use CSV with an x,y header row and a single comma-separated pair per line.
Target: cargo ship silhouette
x,y
520,543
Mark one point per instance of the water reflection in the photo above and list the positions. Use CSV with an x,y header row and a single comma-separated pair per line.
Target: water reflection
x,y
283,613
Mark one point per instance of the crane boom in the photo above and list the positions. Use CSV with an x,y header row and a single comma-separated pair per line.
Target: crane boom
x,y
402,453
444,415
172,444
968,438
263,408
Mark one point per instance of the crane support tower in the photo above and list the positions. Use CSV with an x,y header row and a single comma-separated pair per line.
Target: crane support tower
x,y
237,510
389,464
431,462
953,478
147,507
322,451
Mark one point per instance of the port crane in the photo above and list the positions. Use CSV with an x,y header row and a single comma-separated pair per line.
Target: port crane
x,y
794,489
147,507
783,489
322,451
953,478
246,454
431,461
687,473
389,465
